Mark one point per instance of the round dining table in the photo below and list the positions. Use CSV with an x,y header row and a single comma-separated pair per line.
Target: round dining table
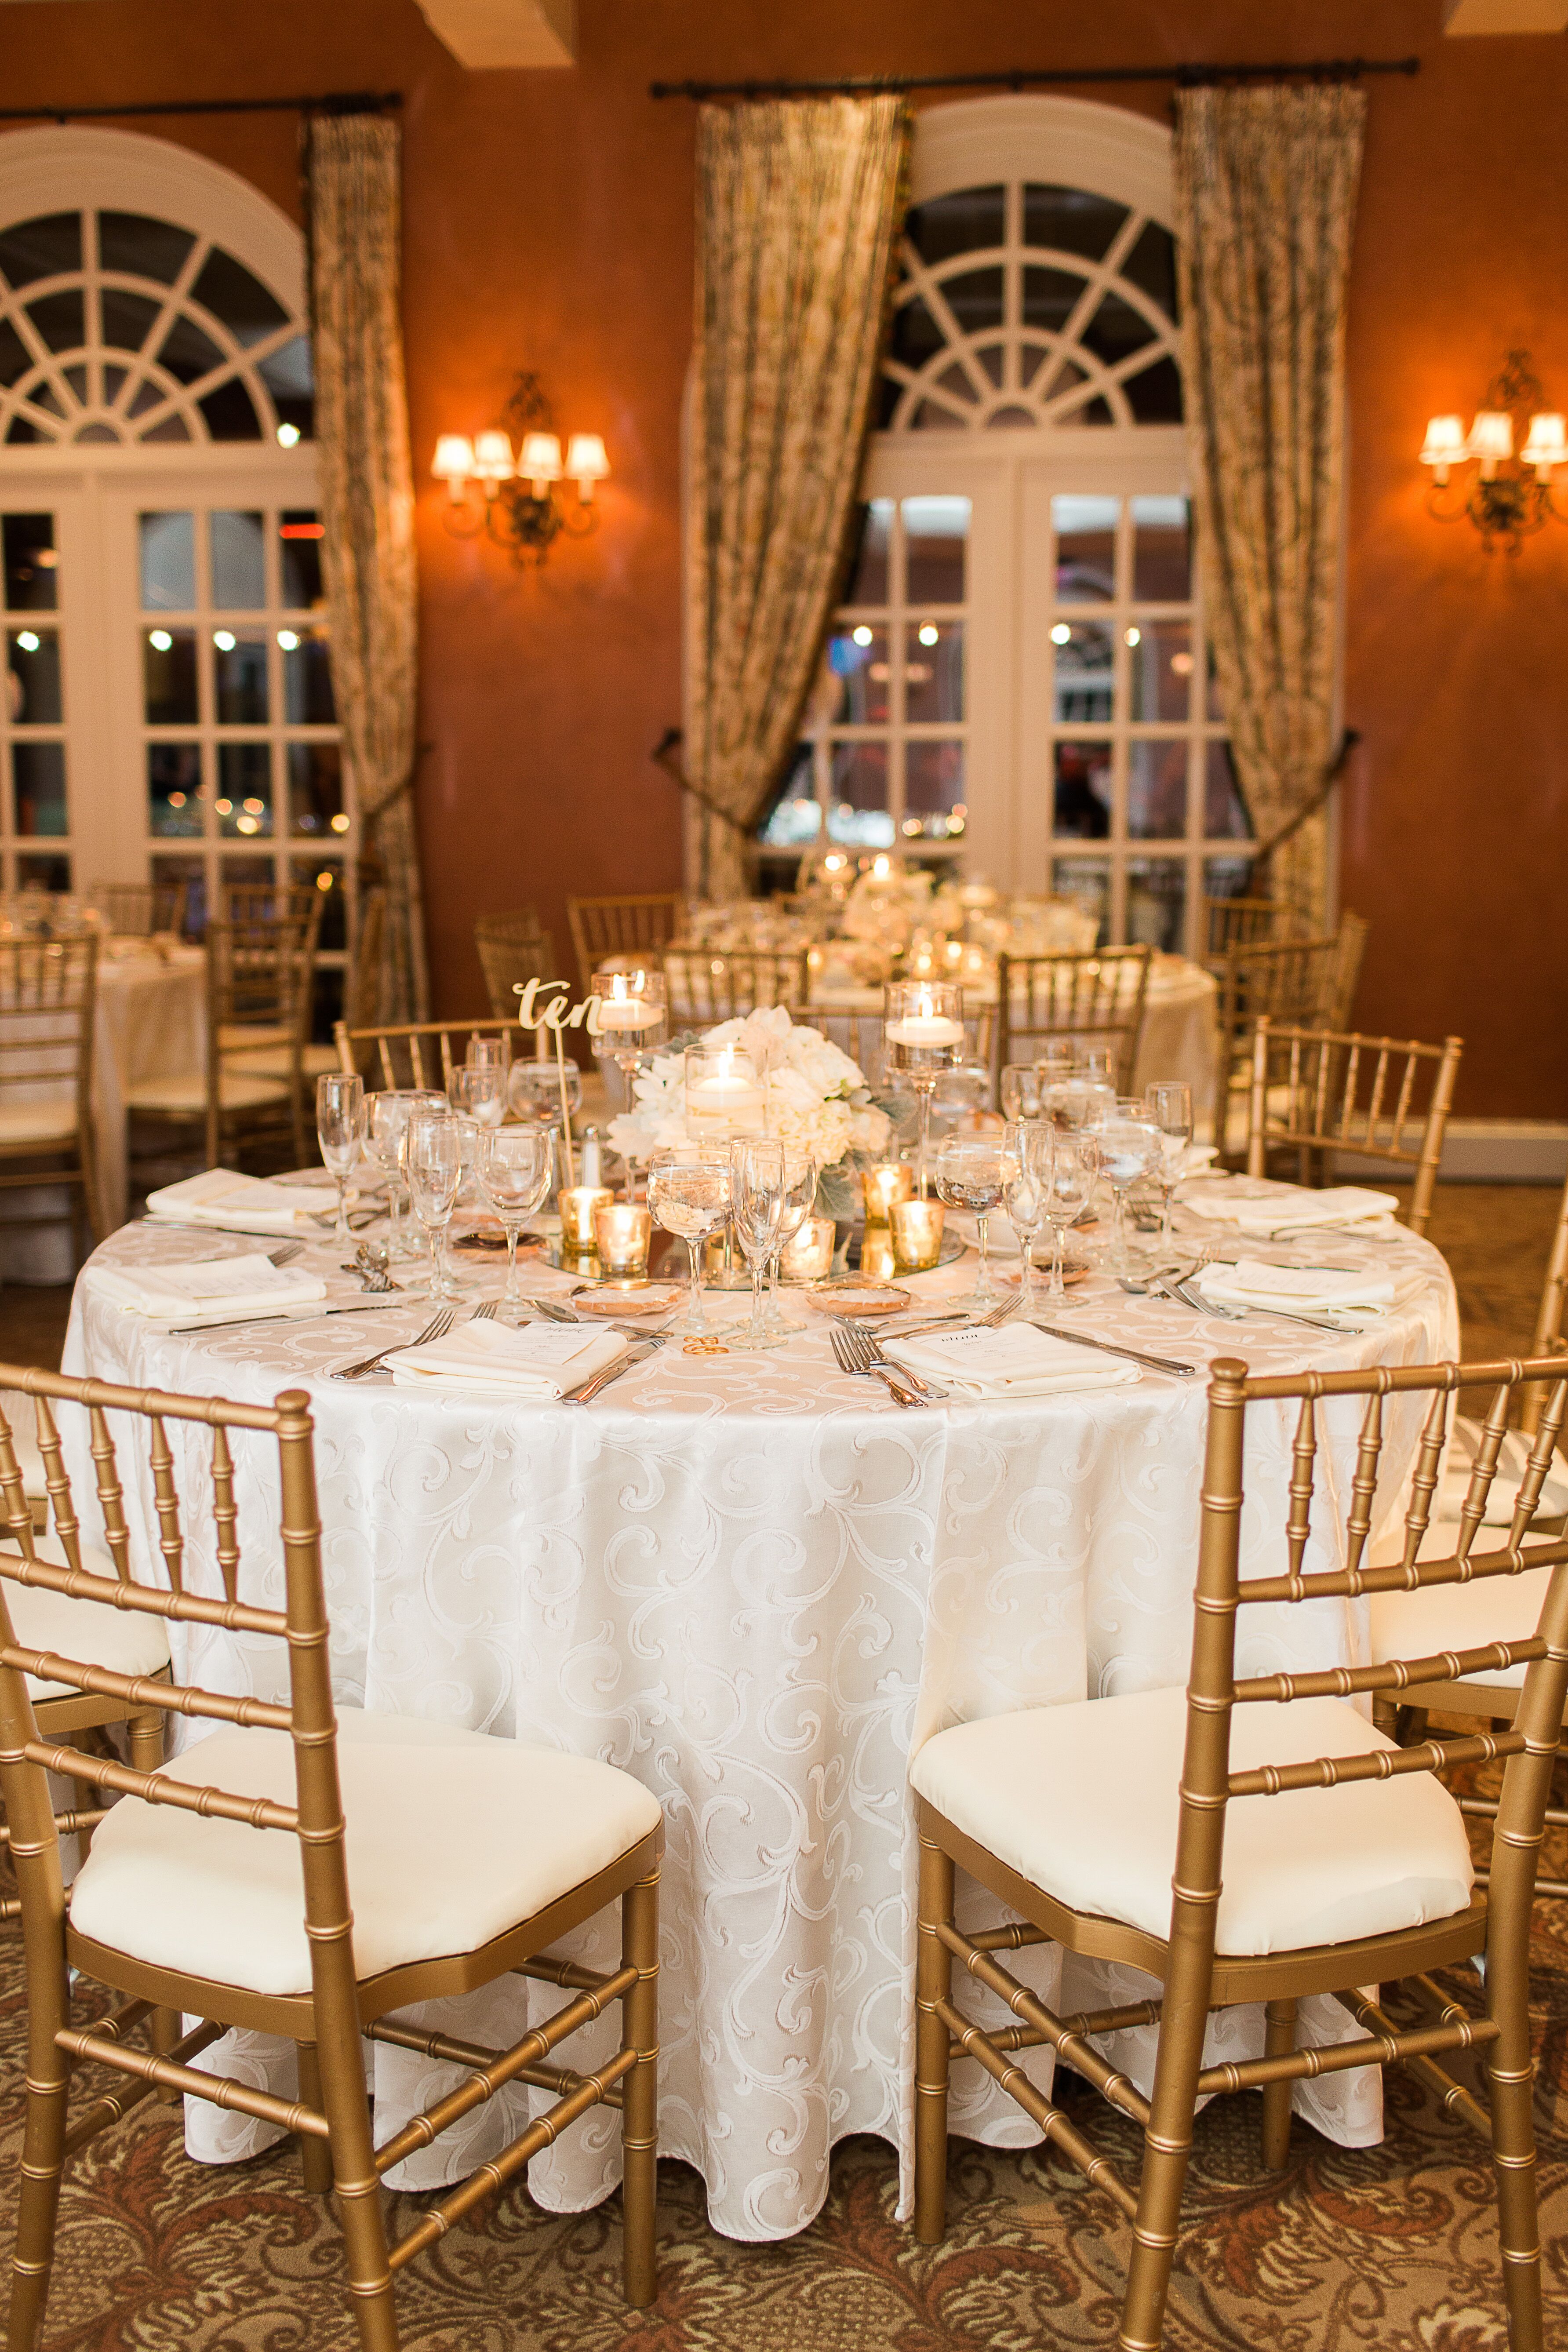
x,y
756,1583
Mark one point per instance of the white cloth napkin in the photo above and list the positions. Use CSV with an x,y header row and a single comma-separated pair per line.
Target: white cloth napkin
x,y
1349,1300
1290,1208
1195,1159
218,1287
1011,1362
541,1361
240,1204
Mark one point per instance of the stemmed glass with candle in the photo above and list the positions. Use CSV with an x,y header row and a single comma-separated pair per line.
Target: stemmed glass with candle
x,y
1067,1165
725,1101
435,1172
690,1190
630,1015
515,1165
340,1131
1169,1104
922,1033
969,1175
1023,1196
756,1213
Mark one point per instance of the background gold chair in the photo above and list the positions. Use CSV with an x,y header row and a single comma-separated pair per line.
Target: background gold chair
x,y
1238,923
137,909
1283,981
1096,1000
48,999
244,903
512,950
1316,1093
605,926
190,1900
259,987
1356,1871
416,1053
708,984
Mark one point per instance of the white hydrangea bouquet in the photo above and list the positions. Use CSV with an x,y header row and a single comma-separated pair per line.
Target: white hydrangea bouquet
x,y
815,1095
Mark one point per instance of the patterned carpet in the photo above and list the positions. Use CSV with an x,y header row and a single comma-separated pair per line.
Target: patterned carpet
x,y
1392,2247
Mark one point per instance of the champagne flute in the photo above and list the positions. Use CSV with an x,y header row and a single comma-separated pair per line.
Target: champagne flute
x,y
690,1187
1023,1197
758,1166
435,1154
515,1164
969,1176
1129,1149
340,1131
798,1203
1066,1161
1170,1105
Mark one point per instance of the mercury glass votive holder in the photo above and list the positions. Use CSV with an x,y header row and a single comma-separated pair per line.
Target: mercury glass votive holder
x,y
877,1259
808,1256
883,1188
578,1203
622,1233
917,1234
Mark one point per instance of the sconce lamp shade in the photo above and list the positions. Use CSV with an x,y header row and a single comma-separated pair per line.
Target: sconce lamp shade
x,y
453,460
586,461
1547,445
1444,441
540,459
1491,437
493,457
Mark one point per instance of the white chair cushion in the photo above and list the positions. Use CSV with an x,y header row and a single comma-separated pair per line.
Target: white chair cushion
x,y
1082,1801
190,1094
127,1640
1460,1617
452,1838
51,1119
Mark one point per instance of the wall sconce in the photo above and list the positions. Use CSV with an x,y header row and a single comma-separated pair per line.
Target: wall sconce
x,y
514,501
1512,494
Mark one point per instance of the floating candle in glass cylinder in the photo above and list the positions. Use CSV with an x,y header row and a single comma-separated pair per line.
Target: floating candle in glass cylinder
x,y
622,1233
883,1187
917,1235
809,1255
922,1031
578,1203
724,1097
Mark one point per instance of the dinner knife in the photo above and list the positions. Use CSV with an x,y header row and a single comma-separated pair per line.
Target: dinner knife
x,y
372,1305
1107,1347
591,1387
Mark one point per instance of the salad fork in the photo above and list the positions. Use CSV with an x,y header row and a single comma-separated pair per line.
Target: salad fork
x,y
436,1328
848,1360
869,1353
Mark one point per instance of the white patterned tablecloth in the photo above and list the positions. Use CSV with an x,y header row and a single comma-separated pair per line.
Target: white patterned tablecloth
x,y
756,1585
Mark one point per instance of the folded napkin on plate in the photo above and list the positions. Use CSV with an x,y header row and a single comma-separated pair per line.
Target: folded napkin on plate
x,y
1195,1160
212,1285
1350,1300
541,1361
1289,1208
1008,1362
240,1204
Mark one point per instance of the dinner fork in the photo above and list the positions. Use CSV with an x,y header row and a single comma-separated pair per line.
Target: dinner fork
x,y
869,1353
286,1255
436,1328
847,1358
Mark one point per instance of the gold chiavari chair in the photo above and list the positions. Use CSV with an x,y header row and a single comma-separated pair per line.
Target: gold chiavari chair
x,y
137,909
1283,981
1125,1829
258,990
1318,1092
606,927
47,998
244,903
1096,999
512,950
418,1053
362,992
220,1885
708,984
1238,923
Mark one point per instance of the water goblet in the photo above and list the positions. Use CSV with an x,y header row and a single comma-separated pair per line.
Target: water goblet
x,y
1170,1106
969,1176
690,1187
1129,1148
758,1168
435,1159
340,1131
798,1201
533,1090
1023,1197
1021,1091
1066,1163
515,1165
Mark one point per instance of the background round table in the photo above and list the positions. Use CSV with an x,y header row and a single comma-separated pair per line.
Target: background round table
x,y
755,1584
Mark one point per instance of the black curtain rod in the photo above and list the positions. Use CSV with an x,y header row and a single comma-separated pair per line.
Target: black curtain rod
x,y
1192,77
333,101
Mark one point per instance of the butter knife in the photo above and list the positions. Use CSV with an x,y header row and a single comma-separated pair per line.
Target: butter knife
x,y
1107,1347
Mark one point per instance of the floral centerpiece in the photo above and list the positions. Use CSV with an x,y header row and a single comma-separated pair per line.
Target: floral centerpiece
x,y
815,1095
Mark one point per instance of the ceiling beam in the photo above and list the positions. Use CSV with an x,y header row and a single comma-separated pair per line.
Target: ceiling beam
x,y
487,33
1505,15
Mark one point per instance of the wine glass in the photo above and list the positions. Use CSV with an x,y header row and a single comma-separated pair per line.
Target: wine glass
x,y
688,1190
515,1164
969,1176
1023,1197
1022,1090
386,1132
1054,1061
340,1131
1129,1146
1170,1106
533,1090
487,1053
435,1155
758,1168
798,1203
1066,1162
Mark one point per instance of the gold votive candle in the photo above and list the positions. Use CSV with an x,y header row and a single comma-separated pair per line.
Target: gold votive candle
x,y
623,1232
884,1188
877,1259
578,1204
809,1254
917,1234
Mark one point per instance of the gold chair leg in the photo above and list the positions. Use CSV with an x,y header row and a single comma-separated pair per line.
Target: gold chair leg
x,y
1279,2041
315,2154
358,2188
933,1982
1167,2145
43,2156
639,2108
1512,2073
145,1739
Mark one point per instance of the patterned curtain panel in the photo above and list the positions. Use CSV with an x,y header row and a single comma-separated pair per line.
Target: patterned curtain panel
x,y
367,508
798,204
1265,189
